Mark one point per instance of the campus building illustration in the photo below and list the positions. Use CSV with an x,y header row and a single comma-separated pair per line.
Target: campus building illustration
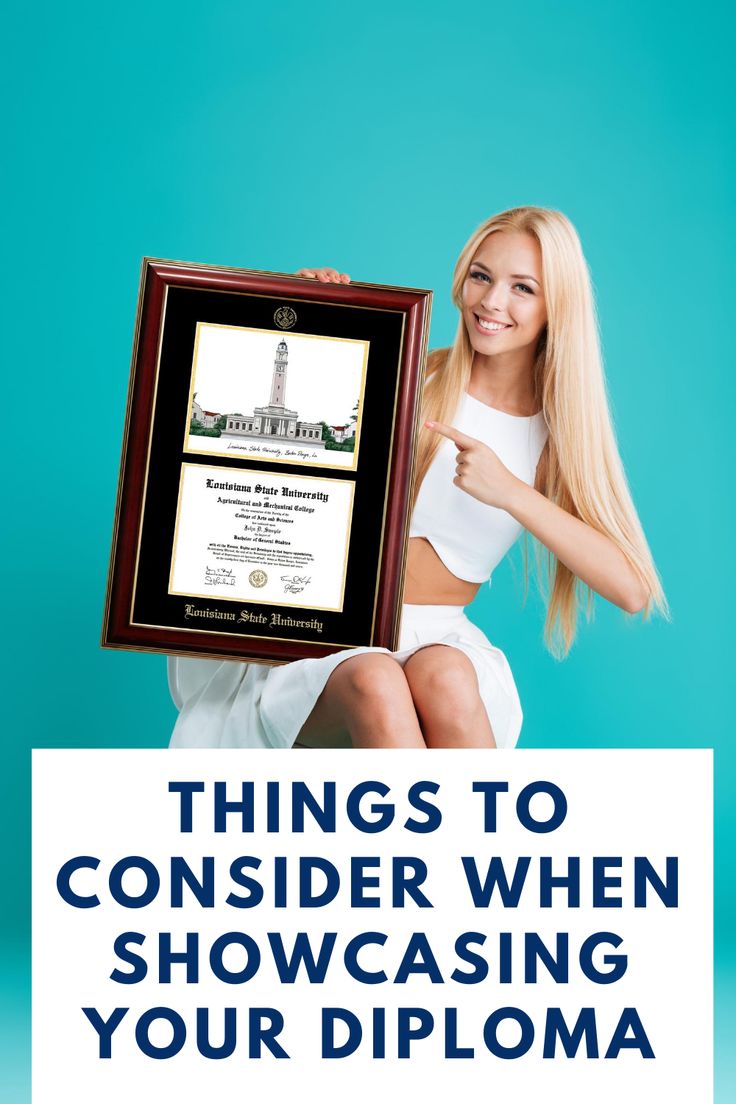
x,y
206,418
274,422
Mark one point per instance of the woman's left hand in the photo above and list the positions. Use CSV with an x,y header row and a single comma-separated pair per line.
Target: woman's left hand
x,y
480,473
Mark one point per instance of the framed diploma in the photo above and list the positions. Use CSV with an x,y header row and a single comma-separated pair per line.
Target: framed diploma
x,y
264,490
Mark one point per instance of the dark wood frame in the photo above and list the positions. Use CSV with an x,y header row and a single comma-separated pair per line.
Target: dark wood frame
x,y
156,277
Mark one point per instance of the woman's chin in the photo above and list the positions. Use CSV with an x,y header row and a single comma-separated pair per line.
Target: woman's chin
x,y
489,346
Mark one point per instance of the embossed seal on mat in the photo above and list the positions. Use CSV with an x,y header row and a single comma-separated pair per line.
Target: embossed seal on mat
x,y
285,318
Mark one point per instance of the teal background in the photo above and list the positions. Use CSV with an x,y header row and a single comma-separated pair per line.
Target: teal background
x,y
373,138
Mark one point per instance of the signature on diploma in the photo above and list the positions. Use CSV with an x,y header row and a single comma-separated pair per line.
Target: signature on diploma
x,y
295,584
219,576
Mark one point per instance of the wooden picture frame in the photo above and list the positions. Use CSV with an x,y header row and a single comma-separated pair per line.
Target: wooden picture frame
x,y
265,482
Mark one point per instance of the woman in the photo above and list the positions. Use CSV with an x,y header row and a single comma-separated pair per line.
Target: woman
x,y
517,436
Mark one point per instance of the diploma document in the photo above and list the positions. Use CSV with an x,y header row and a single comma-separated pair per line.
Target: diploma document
x,y
262,538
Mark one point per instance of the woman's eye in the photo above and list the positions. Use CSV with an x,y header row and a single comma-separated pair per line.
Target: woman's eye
x,y
525,288
478,275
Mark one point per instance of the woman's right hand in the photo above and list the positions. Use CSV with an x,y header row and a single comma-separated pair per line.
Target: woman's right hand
x,y
325,275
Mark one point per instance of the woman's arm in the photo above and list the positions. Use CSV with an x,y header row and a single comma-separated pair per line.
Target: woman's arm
x,y
589,554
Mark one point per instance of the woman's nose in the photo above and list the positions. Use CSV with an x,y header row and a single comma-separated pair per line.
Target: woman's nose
x,y
494,298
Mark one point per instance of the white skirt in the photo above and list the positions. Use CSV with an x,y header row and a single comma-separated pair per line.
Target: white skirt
x,y
228,703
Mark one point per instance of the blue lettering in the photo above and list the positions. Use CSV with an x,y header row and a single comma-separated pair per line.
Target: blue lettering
x,y
81,862
104,1028
584,1027
186,791
490,1033
140,968
496,876
433,814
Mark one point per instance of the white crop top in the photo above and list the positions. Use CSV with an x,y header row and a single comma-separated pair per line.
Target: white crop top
x,y
469,537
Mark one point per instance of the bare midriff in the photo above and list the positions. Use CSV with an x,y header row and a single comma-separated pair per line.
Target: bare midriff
x,y
429,583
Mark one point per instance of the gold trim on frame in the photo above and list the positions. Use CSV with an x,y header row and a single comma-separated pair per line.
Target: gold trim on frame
x,y
412,477
240,636
285,276
126,439
388,472
148,452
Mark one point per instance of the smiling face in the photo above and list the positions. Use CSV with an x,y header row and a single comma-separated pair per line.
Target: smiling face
x,y
503,298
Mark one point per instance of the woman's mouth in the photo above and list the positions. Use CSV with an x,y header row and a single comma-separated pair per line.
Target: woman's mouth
x,y
488,326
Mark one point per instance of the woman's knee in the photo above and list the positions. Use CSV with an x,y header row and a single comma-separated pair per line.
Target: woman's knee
x,y
443,679
375,703
371,678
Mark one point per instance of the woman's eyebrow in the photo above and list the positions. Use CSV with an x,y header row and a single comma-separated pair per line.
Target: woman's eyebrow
x,y
514,276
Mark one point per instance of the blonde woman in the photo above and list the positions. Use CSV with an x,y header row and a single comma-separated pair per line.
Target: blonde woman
x,y
517,437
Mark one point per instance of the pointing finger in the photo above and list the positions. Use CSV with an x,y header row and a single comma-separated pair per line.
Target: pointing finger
x,y
461,439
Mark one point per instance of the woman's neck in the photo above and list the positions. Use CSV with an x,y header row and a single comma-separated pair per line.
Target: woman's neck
x,y
505,382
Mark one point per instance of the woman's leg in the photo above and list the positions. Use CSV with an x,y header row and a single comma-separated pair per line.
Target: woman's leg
x,y
444,687
368,697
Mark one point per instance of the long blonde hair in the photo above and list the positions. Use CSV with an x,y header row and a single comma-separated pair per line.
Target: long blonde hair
x,y
580,468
